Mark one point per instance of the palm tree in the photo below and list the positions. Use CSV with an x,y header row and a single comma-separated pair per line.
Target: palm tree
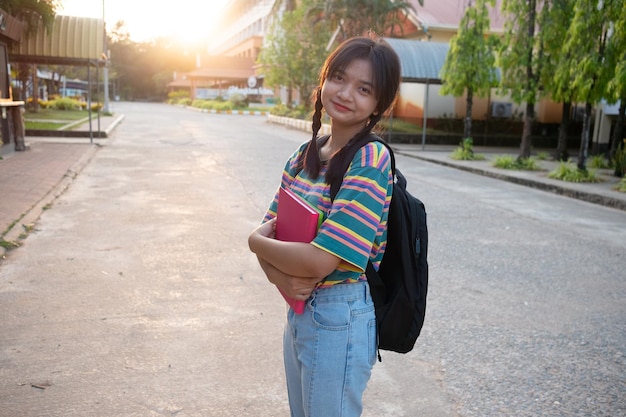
x,y
356,17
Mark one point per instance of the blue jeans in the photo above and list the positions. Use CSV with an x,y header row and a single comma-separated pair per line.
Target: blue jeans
x,y
329,352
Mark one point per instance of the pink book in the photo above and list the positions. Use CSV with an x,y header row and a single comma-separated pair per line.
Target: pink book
x,y
296,221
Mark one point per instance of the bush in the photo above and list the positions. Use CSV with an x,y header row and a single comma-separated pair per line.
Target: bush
x,y
568,171
465,152
65,103
239,101
175,96
598,162
621,186
511,162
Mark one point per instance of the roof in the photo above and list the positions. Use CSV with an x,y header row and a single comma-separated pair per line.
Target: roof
x,y
448,14
10,28
421,62
72,41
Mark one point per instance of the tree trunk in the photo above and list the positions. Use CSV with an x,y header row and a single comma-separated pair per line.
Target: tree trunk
x,y
561,153
618,132
467,124
618,139
584,139
529,118
290,96
35,102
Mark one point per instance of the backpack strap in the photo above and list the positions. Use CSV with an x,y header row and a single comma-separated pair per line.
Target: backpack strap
x,y
354,147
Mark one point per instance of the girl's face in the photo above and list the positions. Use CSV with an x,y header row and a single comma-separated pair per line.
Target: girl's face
x,y
349,97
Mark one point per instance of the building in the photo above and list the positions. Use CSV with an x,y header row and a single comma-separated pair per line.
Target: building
x,y
427,31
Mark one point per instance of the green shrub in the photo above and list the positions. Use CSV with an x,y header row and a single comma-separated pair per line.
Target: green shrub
x,y
239,101
511,162
175,96
568,171
280,110
65,103
543,156
465,152
621,186
598,162
225,106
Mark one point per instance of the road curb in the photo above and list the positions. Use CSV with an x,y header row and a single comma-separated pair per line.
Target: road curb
x,y
553,188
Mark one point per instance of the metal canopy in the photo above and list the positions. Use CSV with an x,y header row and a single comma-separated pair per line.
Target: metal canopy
x,y
72,41
421,61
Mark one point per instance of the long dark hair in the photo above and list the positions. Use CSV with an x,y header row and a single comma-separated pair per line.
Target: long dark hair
x,y
386,79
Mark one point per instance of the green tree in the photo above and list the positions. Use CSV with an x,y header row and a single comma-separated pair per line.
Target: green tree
x,y
520,59
32,12
588,68
555,22
294,52
470,64
35,14
347,18
617,86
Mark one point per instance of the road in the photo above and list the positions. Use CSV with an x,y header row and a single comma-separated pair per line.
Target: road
x,y
136,294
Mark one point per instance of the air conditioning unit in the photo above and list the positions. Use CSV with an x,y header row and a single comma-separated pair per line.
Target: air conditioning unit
x,y
500,109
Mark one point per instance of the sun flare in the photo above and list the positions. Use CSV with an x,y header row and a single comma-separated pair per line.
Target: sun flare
x,y
188,21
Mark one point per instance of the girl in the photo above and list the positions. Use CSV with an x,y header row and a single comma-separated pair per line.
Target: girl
x,y
329,351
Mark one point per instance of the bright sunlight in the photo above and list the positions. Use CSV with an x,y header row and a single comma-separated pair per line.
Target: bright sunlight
x,y
185,20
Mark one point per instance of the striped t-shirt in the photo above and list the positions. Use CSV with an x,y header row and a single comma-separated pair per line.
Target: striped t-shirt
x,y
354,227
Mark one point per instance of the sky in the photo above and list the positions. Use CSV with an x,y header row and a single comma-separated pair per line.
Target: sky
x,y
186,20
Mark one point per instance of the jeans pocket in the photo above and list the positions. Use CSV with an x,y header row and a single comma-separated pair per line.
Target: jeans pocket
x,y
373,341
332,315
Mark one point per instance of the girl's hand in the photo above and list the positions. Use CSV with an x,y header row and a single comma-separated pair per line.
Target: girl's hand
x,y
298,288
295,287
267,229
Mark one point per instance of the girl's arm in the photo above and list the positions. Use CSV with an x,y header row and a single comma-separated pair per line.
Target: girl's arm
x,y
295,287
291,258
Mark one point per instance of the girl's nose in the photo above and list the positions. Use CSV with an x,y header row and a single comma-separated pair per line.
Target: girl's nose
x,y
344,92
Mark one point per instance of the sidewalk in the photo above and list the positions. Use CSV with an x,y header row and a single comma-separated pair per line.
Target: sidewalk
x,y
31,180
602,193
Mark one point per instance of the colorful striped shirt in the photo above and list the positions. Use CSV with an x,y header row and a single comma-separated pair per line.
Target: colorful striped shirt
x,y
354,226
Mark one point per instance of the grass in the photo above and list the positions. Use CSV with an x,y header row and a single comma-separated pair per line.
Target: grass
x,y
465,152
568,171
43,125
50,114
53,119
599,162
621,186
511,162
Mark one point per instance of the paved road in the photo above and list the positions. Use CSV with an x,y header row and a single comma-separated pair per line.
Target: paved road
x,y
136,295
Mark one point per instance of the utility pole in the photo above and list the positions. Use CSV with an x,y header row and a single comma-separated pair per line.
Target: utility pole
x,y
105,72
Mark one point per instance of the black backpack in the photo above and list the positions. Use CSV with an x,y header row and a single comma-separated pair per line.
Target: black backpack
x,y
400,286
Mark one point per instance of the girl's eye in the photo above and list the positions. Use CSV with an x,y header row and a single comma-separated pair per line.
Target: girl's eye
x,y
337,77
365,90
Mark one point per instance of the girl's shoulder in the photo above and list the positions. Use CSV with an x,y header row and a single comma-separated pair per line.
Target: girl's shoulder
x,y
295,161
372,154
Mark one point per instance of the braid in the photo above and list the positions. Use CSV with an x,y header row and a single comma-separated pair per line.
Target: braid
x,y
312,158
